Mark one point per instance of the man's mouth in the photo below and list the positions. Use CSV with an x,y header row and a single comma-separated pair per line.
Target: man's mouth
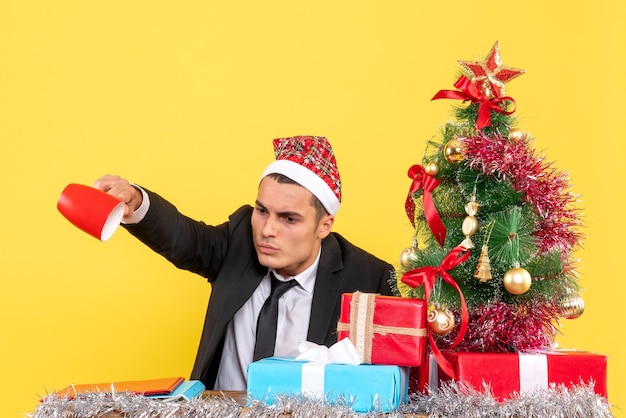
x,y
267,249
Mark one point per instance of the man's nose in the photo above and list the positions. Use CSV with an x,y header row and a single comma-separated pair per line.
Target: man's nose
x,y
269,227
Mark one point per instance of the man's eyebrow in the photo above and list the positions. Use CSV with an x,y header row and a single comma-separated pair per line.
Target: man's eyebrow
x,y
289,214
284,214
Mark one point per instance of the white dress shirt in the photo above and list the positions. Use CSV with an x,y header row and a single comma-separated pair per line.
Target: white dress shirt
x,y
294,313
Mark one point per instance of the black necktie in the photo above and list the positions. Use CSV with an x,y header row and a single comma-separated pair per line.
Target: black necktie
x,y
268,317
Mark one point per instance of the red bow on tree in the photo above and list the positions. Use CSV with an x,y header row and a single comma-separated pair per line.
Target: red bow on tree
x,y
469,91
423,180
427,276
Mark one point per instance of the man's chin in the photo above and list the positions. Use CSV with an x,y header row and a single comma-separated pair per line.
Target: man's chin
x,y
267,261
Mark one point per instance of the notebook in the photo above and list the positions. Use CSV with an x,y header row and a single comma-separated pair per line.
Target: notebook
x,y
149,387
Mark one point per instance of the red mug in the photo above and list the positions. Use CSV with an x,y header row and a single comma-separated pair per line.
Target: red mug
x,y
92,210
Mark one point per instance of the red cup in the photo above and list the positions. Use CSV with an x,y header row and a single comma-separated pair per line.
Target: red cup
x,y
92,210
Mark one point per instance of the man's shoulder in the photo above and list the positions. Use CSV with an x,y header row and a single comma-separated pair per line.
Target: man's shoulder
x,y
348,249
242,214
359,269
239,223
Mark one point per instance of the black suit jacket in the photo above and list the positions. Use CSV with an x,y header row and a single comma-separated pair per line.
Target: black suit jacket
x,y
225,255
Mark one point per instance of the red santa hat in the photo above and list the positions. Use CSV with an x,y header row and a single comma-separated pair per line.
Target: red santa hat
x,y
310,162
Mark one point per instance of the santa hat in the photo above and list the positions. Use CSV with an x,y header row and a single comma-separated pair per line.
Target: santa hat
x,y
310,162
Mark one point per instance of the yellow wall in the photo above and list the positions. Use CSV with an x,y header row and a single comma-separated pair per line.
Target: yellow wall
x,y
185,97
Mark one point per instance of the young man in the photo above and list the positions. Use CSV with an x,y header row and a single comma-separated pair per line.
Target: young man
x,y
285,238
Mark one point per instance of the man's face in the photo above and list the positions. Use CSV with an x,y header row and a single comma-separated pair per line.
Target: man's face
x,y
287,236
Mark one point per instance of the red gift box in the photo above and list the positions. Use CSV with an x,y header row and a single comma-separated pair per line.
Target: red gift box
x,y
507,374
384,329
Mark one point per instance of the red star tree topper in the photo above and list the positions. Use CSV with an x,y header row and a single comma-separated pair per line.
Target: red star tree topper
x,y
490,75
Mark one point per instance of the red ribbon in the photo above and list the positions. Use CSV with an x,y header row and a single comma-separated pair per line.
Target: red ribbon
x,y
423,180
427,276
469,91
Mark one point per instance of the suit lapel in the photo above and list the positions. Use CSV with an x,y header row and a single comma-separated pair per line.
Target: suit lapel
x,y
326,292
246,283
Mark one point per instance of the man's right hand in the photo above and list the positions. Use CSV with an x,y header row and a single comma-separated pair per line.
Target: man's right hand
x,y
121,189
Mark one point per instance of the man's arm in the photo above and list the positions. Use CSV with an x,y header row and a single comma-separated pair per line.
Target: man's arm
x,y
188,244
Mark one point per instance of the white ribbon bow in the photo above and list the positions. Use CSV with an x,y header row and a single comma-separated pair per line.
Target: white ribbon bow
x,y
342,352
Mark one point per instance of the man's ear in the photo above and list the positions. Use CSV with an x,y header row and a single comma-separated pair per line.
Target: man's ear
x,y
325,226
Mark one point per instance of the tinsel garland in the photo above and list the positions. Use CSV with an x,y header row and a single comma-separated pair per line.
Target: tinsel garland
x,y
502,327
543,186
455,400
452,400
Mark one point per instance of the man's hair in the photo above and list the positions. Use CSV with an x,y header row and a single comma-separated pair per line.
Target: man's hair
x,y
320,210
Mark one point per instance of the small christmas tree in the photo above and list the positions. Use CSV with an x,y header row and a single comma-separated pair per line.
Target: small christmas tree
x,y
495,226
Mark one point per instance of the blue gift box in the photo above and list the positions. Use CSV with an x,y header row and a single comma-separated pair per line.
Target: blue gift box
x,y
365,388
187,390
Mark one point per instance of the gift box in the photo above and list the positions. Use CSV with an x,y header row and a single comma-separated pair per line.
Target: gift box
x,y
508,374
384,329
187,390
364,387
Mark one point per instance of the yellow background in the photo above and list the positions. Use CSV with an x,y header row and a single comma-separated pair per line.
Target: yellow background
x,y
185,97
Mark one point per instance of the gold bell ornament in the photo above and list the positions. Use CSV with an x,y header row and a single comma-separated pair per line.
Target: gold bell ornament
x,y
483,268
440,320
517,280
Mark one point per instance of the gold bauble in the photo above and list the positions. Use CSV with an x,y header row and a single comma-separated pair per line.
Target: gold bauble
x,y
453,151
571,306
440,321
516,135
432,168
517,280
470,226
408,257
